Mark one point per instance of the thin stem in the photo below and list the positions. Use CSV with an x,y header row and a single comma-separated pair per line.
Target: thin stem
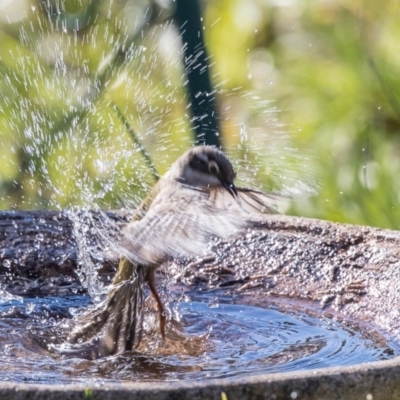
x,y
135,139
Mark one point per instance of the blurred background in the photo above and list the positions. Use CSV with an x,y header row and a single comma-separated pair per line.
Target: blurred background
x,y
95,101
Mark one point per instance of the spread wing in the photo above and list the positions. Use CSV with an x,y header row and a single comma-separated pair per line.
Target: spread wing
x,y
182,221
255,201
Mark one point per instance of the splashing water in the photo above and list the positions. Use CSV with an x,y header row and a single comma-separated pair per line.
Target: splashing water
x,y
74,151
90,256
220,340
72,147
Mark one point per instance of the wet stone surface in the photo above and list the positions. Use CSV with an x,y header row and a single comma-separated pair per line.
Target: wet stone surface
x,y
39,255
333,269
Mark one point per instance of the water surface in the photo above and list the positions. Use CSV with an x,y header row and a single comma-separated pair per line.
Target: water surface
x,y
209,339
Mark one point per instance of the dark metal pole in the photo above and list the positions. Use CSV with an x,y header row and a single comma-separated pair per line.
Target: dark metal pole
x,y
200,92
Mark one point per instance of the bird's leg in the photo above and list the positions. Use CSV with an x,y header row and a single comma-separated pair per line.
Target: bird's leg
x,y
150,279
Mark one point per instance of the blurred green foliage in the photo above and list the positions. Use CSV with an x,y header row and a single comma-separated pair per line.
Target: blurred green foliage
x,y
308,93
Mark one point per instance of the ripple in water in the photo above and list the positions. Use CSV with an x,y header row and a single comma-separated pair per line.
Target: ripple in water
x,y
210,341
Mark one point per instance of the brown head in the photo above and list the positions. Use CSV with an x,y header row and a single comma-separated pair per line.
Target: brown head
x,y
204,167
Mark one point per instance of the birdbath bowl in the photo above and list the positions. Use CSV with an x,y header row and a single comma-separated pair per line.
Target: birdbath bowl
x,y
344,273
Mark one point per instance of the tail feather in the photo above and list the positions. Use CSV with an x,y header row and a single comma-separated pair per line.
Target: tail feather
x,y
114,326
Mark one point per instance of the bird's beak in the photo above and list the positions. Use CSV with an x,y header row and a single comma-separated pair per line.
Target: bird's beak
x,y
230,187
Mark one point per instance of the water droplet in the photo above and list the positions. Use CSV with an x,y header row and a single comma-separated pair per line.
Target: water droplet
x,y
243,133
29,308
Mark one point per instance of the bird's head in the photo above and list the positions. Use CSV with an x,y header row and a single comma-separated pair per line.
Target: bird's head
x,y
204,167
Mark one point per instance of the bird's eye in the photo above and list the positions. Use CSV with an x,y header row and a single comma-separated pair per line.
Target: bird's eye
x,y
213,168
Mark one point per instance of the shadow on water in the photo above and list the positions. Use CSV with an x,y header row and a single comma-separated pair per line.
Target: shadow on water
x,y
207,339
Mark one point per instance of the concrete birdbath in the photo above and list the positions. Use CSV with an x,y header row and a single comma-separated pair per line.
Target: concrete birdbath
x,y
345,275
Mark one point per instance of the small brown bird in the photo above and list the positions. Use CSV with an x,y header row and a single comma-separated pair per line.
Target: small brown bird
x,y
195,201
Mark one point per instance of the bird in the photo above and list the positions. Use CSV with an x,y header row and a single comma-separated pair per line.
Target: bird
x,y
194,202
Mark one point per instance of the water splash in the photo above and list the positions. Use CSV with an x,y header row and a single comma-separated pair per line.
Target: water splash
x,y
6,296
223,341
75,151
71,145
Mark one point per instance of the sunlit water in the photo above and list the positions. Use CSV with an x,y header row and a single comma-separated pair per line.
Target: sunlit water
x,y
216,340
100,165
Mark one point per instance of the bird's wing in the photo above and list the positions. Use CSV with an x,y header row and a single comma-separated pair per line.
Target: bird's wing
x,y
255,201
182,222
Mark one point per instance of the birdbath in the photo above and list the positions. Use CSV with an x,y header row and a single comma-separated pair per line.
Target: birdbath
x,y
342,273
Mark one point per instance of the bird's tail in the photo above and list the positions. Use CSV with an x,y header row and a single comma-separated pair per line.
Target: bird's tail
x,y
115,325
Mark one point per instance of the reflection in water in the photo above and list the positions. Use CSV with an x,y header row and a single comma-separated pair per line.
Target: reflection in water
x,y
211,340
